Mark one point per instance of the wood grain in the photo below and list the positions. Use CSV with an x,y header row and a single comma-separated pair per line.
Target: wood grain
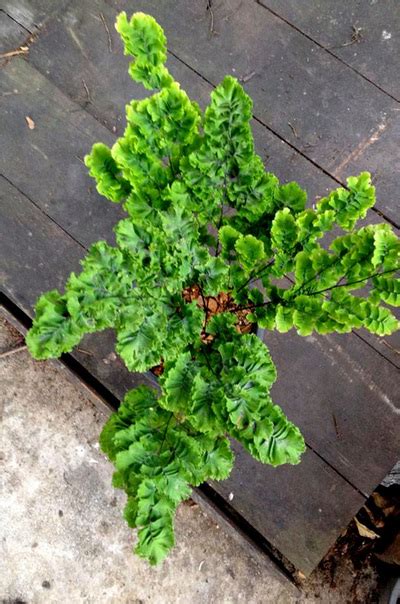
x,y
305,95
12,35
362,33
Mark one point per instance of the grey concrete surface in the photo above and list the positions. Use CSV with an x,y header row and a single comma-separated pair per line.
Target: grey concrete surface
x,y
63,539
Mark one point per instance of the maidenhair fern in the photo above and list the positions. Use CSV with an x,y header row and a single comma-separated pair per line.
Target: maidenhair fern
x,y
212,244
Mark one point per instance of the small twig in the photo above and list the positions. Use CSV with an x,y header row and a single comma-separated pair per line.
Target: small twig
x,y
308,146
375,177
247,77
210,10
293,129
13,351
336,425
107,31
66,479
390,346
90,354
23,50
80,159
356,37
89,98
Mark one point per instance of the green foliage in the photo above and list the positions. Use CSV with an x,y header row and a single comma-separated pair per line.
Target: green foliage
x,y
203,215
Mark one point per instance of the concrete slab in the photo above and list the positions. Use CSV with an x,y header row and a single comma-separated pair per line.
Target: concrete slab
x,y
63,538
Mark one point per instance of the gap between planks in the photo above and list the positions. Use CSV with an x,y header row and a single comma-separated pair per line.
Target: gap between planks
x,y
31,32
43,212
283,139
327,50
257,119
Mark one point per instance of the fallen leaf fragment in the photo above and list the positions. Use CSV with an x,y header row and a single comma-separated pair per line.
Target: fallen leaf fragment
x,y
30,122
22,50
364,531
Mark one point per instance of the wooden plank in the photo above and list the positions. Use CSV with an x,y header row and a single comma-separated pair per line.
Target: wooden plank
x,y
362,34
343,395
388,346
310,98
299,529
303,519
35,256
80,35
45,181
46,163
32,15
12,35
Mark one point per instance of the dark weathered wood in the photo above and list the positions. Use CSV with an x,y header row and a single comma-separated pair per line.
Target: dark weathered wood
x,y
81,35
46,163
43,168
388,346
343,395
363,33
306,95
36,255
12,35
32,14
291,504
83,39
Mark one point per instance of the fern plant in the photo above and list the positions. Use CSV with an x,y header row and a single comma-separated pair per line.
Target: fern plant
x,y
212,246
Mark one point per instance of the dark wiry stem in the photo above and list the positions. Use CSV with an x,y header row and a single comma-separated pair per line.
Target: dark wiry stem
x,y
255,277
165,433
321,291
208,362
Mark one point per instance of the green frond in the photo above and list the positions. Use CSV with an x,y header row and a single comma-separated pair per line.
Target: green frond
x,y
291,196
388,289
218,459
352,203
250,251
140,339
387,247
177,382
205,397
53,331
285,444
103,168
144,40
